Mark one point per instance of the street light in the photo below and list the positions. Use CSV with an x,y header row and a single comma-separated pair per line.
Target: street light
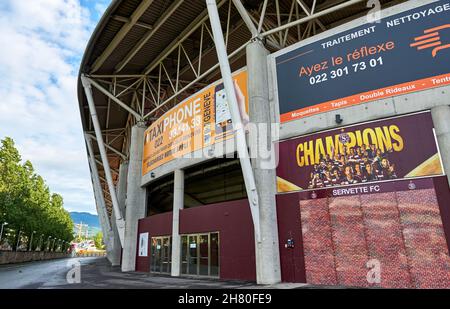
x,y
48,243
40,242
18,240
31,241
1,231
53,246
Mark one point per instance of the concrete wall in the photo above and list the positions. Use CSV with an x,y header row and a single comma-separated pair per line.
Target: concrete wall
x,y
10,257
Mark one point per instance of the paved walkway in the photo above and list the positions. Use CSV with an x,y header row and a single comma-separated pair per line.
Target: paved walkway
x,y
96,273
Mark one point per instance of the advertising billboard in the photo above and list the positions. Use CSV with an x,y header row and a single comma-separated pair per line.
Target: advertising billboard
x,y
199,121
401,54
393,148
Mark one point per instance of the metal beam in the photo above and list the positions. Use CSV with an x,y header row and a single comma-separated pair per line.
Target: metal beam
x,y
143,6
98,133
112,169
310,17
100,199
110,95
311,11
241,143
161,20
128,20
191,28
112,149
245,16
203,75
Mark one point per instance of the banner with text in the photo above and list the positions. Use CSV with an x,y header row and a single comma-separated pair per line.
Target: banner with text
x,y
199,121
401,54
388,149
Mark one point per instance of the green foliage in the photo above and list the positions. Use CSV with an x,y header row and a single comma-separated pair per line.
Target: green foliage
x,y
98,240
26,202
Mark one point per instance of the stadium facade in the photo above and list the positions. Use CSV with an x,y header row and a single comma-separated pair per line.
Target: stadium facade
x,y
273,141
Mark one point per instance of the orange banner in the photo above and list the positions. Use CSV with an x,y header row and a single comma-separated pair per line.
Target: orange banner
x,y
199,121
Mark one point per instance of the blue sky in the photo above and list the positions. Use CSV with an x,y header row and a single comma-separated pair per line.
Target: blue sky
x,y
43,43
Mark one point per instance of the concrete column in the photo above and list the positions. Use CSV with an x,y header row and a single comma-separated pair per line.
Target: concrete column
x,y
135,201
441,121
267,251
121,189
178,203
99,200
104,156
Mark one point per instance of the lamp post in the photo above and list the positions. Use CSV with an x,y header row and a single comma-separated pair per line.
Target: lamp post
x,y
48,243
40,242
53,245
1,231
31,241
18,240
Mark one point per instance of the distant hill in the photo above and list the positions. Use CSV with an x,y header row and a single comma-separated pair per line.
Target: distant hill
x,y
86,218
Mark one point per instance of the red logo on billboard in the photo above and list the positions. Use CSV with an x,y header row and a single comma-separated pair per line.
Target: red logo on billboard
x,y
431,39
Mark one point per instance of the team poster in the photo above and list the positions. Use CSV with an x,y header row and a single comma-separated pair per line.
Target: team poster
x,y
383,150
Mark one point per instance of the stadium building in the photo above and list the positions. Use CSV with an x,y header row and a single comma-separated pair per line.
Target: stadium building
x,y
273,140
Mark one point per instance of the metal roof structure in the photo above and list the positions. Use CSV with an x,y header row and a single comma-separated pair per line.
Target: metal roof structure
x,y
145,56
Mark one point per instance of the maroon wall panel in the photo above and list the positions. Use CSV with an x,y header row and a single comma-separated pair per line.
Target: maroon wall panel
x,y
234,223
157,225
289,226
424,239
318,242
350,244
385,241
403,228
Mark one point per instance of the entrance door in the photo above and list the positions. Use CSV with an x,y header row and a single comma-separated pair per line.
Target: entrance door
x,y
193,255
200,254
161,254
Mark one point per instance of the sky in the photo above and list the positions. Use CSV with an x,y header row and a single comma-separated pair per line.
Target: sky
x,y
42,43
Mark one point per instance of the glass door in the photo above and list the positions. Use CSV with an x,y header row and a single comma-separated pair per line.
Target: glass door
x,y
166,254
184,254
214,255
203,255
200,254
161,254
193,255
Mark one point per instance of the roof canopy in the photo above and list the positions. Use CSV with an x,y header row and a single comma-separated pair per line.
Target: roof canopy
x,y
145,56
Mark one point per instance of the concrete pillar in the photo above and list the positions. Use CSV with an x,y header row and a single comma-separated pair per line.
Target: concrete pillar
x,y
441,121
178,203
135,201
101,146
267,251
99,200
121,189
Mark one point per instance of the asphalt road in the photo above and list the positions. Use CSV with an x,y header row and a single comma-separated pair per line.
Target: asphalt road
x,y
96,273
38,274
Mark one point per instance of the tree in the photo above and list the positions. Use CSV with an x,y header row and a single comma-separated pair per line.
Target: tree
x,y
98,240
26,200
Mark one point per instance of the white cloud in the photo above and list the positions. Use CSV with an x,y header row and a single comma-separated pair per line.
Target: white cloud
x,y
43,42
